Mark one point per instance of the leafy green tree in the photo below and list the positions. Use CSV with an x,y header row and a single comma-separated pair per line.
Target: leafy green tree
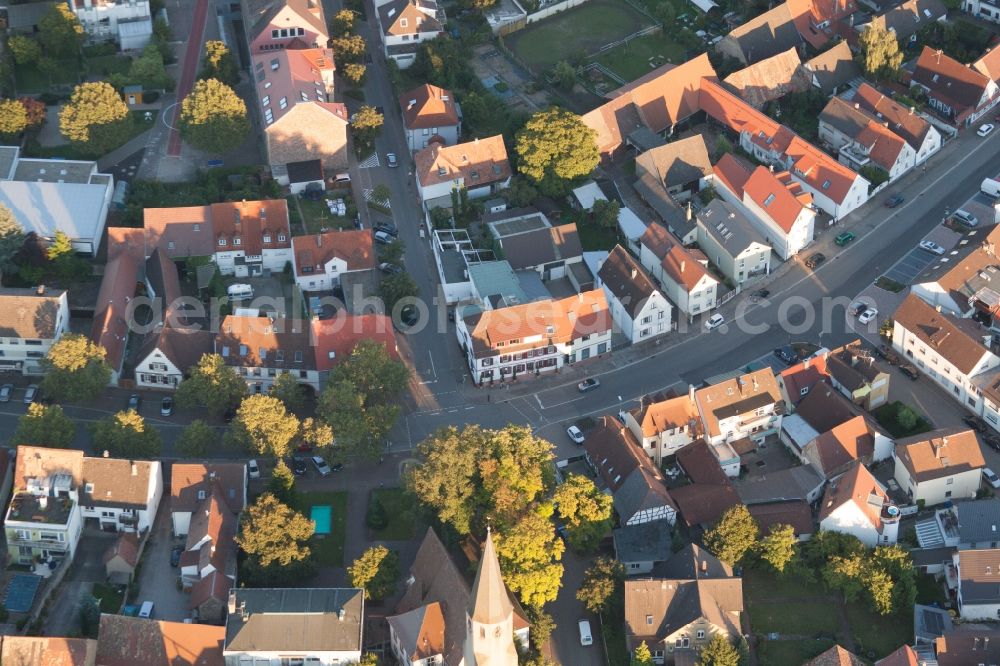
x,y
600,583
447,479
369,659
355,73
542,626
895,562
376,518
845,573
642,656
288,390
367,124
148,70
44,425
273,534
125,435
197,439
880,54
11,235
60,32
734,536
719,652
263,426
585,510
213,385
315,432
359,424
375,373
162,36
220,64
778,547
520,192
342,23
75,369
36,112
375,572
348,48
530,554
96,116
282,483
24,50
61,246
563,75
665,12
605,213
554,148
906,417
394,288
213,118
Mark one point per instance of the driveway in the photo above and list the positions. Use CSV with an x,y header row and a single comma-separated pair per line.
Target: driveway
x,y
910,265
87,568
157,579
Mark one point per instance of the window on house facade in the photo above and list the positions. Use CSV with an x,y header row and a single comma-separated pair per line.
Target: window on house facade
x,y
222,242
283,103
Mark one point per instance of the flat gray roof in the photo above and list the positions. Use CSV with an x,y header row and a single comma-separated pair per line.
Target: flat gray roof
x,y
76,209
519,225
493,278
54,171
8,155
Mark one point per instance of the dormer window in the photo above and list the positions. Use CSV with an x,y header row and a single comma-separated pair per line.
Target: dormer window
x,y
89,488
237,241
222,242
281,238
202,494
267,238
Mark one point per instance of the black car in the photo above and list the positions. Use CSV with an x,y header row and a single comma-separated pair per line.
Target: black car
x,y
894,201
229,415
299,466
909,371
857,308
135,401
408,316
975,423
391,269
175,555
992,441
336,467
815,260
386,227
787,355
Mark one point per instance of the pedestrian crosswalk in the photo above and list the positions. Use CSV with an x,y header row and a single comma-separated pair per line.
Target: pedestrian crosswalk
x,y
369,196
369,162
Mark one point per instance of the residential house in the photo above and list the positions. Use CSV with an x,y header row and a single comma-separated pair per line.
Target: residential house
x,y
678,219
407,23
193,483
855,503
210,597
126,641
977,594
797,380
959,284
261,348
122,281
683,279
48,650
242,238
663,425
812,427
939,466
801,483
909,18
168,353
638,308
958,93
835,189
983,9
930,623
732,243
270,624
35,320
745,407
862,141
675,618
795,513
682,166
129,23
640,547
854,372
710,494
526,239
657,102
764,36
305,174
950,351
300,119
429,111
209,548
924,138
836,656
988,63
479,166
321,259
692,562
536,337
978,522
275,25
437,619
631,478
769,79
23,19
833,451
774,203
334,339
833,70
47,196
972,644
120,558
630,228
55,491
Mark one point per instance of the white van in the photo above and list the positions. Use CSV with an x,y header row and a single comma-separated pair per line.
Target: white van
x,y
146,610
586,638
990,188
238,292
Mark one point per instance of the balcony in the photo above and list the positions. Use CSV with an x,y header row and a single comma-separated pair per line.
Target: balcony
x,y
47,510
37,543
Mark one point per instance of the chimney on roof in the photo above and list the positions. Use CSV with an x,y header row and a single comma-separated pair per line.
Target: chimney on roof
x,y
688,212
135,470
634,273
40,290
232,603
342,614
704,566
770,167
691,392
683,264
937,307
107,454
243,611
319,240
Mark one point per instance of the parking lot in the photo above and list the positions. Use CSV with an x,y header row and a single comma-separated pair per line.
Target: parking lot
x,y
157,579
914,262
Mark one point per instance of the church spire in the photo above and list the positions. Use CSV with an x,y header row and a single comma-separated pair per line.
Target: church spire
x,y
489,603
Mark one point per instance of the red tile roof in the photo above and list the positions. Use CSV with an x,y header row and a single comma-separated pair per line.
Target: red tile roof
x,y
857,485
48,651
188,479
127,641
260,342
314,251
300,76
479,162
803,375
677,262
950,81
882,143
846,442
778,195
428,106
250,222
902,120
796,513
989,63
733,172
335,339
122,275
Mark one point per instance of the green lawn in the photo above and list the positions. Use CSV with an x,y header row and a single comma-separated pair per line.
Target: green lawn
x,y
399,509
329,548
30,80
106,65
316,215
790,653
886,417
578,31
108,597
877,633
595,237
800,619
632,60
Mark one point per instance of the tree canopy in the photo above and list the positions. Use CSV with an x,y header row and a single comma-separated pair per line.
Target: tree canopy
x,y
600,583
734,536
605,213
96,116
880,54
719,652
287,389
24,49
263,426
60,31
348,48
355,73
367,124
213,385
220,64
125,435
282,483
530,554
272,534
197,439
375,572
11,233
642,656
586,511
778,547
44,425
342,23
213,118
554,148
75,369
148,69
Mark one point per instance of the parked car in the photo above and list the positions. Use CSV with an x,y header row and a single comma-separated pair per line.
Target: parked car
x,y
866,316
714,322
175,555
5,392
910,371
588,384
931,246
975,423
167,406
857,308
298,466
390,159
386,227
391,269
384,237
844,238
337,467
321,466
985,130
759,294
586,637
146,610
965,217
991,477
815,260
787,355
253,469
888,353
894,200
135,401
992,441
30,394
575,434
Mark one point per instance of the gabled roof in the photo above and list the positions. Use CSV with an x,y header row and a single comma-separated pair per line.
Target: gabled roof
x,y
692,561
353,246
215,586
950,81
297,76
835,656
127,641
825,408
542,245
769,79
883,145
977,570
859,487
940,453
420,631
834,68
730,227
846,442
478,162
780,197
710,493
183,347
261,12
972,644
126,547
783,485
989,63
188,480
739,116
428,106
48,650
335,339
768,34
296,619
910,17
796,513
809,14
676,163
966,268
819,170
261,342
122,274
420,15
957,340
853,367
656,608
28,314
801,377
733,172
978,520
677,262
644,542
656,416
180,231
736,396
251,222
627,280
903,656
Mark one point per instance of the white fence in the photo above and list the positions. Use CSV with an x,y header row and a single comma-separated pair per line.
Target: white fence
x,y
553,9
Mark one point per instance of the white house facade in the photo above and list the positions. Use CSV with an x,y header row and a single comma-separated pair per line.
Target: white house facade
x,y
31,320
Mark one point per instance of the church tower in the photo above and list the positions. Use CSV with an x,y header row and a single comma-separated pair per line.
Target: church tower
x,y
489,622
